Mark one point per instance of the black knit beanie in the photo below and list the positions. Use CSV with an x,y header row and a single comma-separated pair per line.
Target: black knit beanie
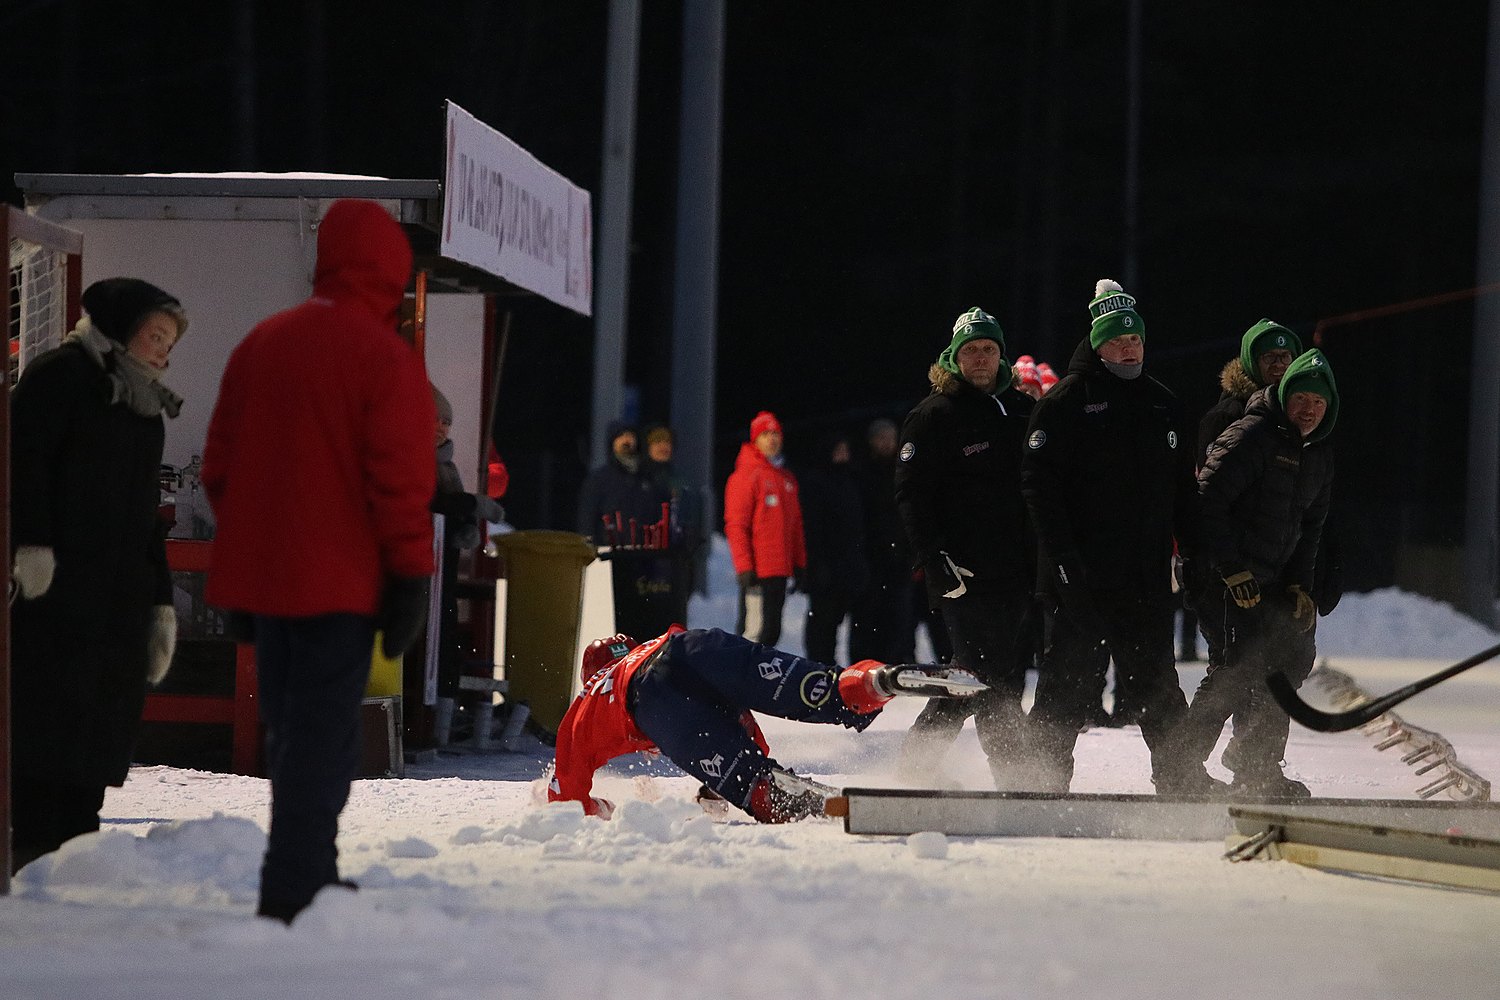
x,y
118,305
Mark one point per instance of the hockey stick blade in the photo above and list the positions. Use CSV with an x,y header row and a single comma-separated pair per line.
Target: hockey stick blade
x,y
948,683
1336,722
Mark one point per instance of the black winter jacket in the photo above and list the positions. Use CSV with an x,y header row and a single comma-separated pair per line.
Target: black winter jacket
x,y
958,481
1108,478
613,489
85,482
1236,388
1264,496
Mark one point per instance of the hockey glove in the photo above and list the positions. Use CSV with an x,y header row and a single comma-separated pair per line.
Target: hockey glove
x,y
403,612
33,570
1306,610
1243,588
161,643
950,576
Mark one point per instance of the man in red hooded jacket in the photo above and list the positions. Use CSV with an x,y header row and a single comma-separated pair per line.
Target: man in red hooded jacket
x,y
319,467
763,523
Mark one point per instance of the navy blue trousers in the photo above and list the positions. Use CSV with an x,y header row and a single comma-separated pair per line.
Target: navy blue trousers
x,y
312,674
689,703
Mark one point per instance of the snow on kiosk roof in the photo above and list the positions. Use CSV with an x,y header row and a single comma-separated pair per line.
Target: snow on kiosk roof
x,y
237,247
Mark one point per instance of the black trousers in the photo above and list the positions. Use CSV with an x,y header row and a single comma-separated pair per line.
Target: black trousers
x,y
759,618
1247,645
47,814
1139,639
983,626
884,627
312,674
825,610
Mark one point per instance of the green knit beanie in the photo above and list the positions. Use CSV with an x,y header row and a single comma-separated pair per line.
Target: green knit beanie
x,y
1113,310
1311,372
975,324
1260,338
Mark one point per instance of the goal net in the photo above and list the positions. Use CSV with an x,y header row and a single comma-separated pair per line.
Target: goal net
x,y
41,286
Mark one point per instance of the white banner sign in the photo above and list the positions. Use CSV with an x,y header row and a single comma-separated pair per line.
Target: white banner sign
x,y
508,213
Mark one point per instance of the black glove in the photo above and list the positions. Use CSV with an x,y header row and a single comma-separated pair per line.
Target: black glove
x,y
403,612
1242,587
1074,600
799,581
486,509
747,579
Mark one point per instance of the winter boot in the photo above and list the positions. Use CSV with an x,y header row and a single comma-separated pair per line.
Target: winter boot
x,y
784,797
1268,785
1190,780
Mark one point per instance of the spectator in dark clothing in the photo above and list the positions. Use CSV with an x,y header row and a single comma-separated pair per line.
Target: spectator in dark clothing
x,y
616,506
687,553
327,396
465,515
94,623
883,623
834,524
958,490
1108,479
1265,488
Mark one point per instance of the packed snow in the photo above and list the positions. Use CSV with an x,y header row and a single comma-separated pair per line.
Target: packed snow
x,y
470,887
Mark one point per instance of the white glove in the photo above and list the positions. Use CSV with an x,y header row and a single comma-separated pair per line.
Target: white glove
x,y
162,643
33,569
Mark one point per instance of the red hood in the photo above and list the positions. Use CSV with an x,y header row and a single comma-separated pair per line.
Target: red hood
x,y
750,457
362,255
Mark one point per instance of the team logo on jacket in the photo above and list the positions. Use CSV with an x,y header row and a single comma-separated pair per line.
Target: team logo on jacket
x,y
1037,439
816,688
907,451
1171,439
771,669
772,500
713,766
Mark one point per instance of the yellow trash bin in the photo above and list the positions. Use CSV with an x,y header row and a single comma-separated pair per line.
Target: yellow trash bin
x,y
543,608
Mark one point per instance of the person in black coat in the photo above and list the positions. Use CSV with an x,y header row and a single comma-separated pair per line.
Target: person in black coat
x,y
883,626
833,523
1108,479
94,624
1265,487
958,490
617,503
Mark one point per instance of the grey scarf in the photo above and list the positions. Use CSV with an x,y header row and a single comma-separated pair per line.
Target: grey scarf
x,y
1126,372
133,383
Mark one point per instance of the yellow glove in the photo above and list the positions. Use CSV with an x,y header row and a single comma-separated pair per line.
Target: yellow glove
x,y
1243,588
1306,607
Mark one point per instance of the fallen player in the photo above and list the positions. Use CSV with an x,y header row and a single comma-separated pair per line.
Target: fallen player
x,y
689,694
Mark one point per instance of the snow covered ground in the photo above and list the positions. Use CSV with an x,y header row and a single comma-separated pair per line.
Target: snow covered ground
x,y
470,888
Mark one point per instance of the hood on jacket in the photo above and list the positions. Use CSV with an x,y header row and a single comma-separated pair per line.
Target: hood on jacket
x,y
363,255
1235,382
1311,372
749,457
1262,337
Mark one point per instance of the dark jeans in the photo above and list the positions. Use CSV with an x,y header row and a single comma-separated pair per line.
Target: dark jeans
x,y
690,706
1250,644
1070,683
759,618
47,814
312,675
983,626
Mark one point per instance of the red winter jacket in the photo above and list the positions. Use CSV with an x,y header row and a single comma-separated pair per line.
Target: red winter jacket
x,y
318,461
763,517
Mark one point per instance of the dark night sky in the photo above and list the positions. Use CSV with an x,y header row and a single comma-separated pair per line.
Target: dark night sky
x,y
882,172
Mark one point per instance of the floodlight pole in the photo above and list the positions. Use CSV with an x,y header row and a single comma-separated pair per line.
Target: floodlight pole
x,y
612,272
1482,510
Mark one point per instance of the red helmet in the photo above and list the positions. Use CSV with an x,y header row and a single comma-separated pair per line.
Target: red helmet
x,y
602,652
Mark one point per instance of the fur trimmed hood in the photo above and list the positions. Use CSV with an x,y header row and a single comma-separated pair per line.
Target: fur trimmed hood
x,y
943,381
1235,382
